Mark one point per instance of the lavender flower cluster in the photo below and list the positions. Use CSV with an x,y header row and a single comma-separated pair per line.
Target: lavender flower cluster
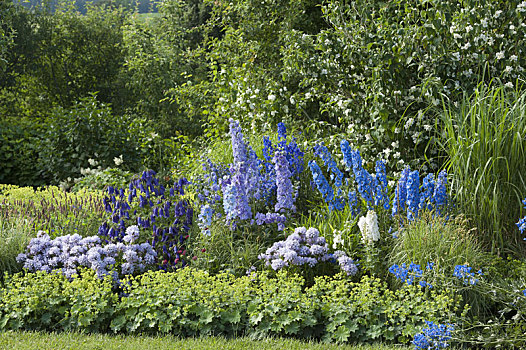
x,y
434,336
67,253
411,197
305,247
464,273
150,205
410,273
250,180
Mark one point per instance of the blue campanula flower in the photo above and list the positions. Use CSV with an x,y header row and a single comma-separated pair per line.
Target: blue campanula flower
x,y
464,273
410,274
434,336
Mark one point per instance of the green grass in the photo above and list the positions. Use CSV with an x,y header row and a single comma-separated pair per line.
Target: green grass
x,y
484,139
42,341
15,234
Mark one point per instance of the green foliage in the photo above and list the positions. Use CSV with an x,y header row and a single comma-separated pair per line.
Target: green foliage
x,y
195,304
190,302
261,305
233,251
88,130
100,179
52,210
435,239
164,58
368,311
19,151
15,234
484,140
43,301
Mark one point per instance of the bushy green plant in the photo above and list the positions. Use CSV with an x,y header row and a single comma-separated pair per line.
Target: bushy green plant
x,y
484,141
49,301
368,311
88,130
189,302
19,140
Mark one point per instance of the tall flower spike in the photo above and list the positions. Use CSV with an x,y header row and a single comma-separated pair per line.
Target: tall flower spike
x,y
285,200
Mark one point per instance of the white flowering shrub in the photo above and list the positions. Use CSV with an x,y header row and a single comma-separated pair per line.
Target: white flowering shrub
x,y
370,70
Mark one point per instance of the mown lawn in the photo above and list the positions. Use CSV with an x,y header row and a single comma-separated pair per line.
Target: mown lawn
x,y
55,341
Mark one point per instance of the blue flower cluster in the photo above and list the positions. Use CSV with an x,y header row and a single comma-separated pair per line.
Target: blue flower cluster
x,y
249,181
464,273
67,253
285,191
522,222
150,205
305,247
271,218
434,336
409,274
373,190
410,197
322,184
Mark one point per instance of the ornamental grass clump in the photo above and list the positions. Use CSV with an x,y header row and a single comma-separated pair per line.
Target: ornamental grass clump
x,y
484,140
162,213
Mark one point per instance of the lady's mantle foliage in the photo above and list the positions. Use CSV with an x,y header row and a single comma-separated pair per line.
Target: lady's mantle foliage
x,y
153,207
250,182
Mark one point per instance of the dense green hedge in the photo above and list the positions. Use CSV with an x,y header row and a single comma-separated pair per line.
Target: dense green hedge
x,y
192,302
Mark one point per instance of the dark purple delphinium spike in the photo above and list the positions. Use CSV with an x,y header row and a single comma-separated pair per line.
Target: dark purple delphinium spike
x,y
115,219
107,205
179,209
111,233
103,229
111,190
167,209
172,192
181,183
142,202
